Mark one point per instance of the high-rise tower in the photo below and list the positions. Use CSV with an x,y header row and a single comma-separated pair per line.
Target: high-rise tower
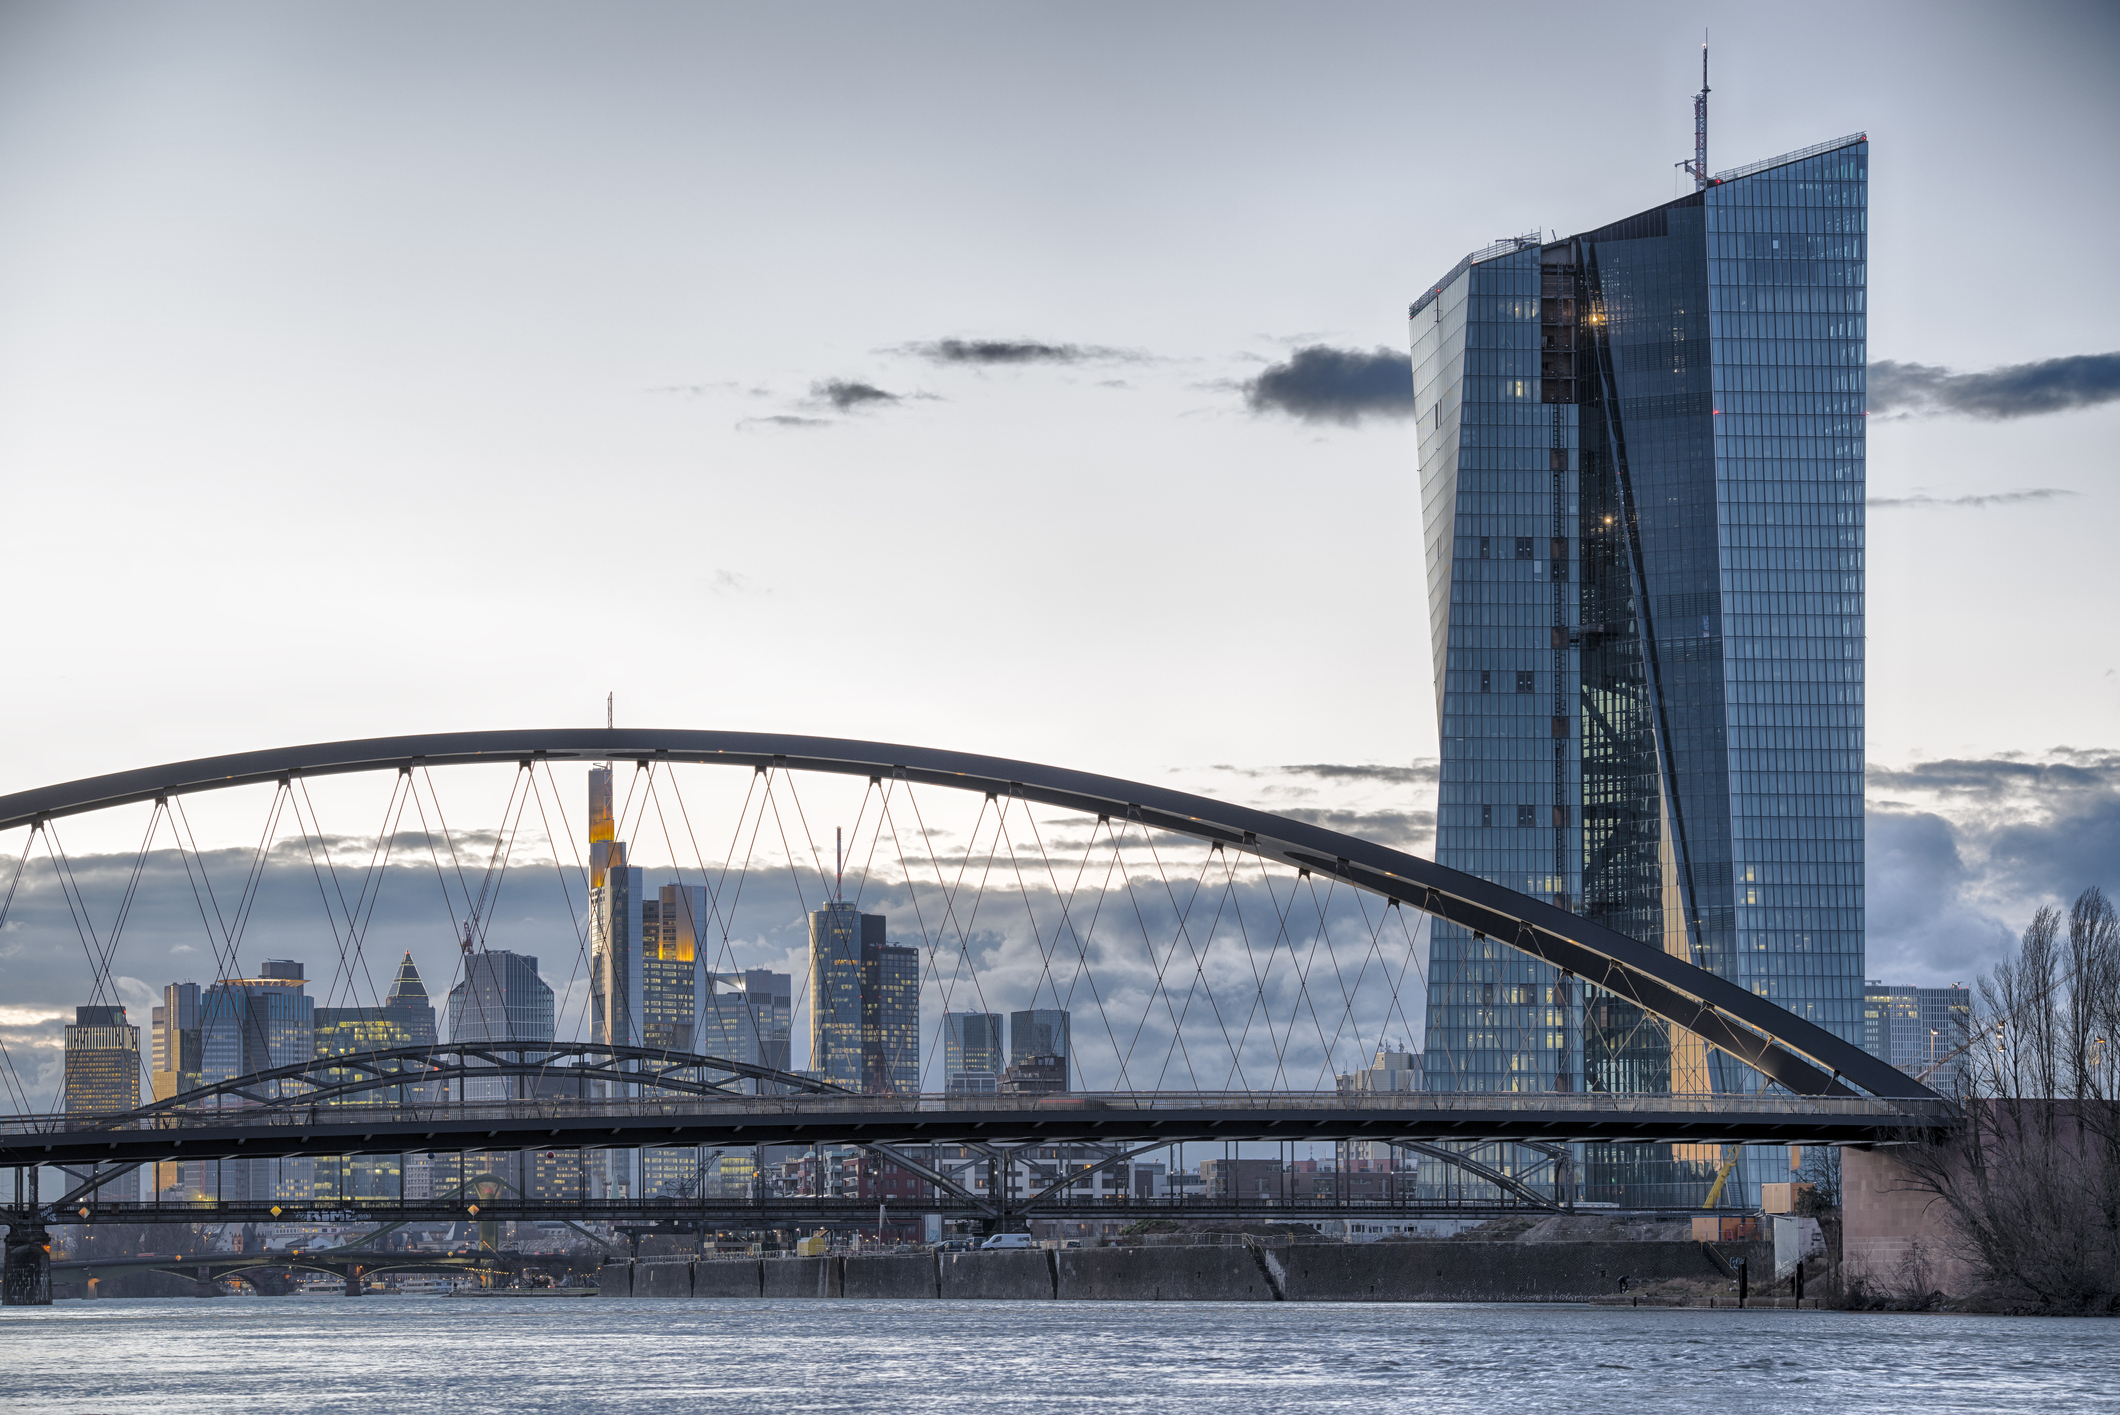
x,y
1642,488
644,973
864,1003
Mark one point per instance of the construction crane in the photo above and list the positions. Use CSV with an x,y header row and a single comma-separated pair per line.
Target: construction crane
x,y
1722,1177
485,891
470,938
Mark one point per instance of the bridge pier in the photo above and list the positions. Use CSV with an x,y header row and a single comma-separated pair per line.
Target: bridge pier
x,y
354,1285
27,1280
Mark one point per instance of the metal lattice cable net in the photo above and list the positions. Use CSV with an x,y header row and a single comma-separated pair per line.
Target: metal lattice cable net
x,y
1079,910
1182,966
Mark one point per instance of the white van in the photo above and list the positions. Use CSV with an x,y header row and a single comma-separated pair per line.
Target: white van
x,y
1007,1240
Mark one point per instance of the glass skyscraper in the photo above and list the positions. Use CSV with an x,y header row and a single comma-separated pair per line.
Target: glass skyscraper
x,y
864,1003
644,979
406,1019
102,1062
747,1017
1642,493
971,1051
248,1025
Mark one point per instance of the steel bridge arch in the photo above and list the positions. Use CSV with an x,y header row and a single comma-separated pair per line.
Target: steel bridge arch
x,y
1800,1056
418,1066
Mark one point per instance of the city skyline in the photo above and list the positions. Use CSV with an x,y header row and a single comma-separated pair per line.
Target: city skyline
x,y
1984,799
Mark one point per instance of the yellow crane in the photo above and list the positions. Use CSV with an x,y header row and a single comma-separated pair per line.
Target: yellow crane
x,y
1722,1177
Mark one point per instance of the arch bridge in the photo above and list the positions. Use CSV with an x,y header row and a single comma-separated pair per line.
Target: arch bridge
x,y
1812,1088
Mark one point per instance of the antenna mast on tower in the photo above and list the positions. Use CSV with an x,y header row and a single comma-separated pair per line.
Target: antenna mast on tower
x,y
1699,165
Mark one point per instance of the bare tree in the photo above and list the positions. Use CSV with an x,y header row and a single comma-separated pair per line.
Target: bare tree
x,y
2031,1175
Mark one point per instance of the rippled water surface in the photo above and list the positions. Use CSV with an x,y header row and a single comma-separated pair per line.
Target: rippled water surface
x,y
380,1354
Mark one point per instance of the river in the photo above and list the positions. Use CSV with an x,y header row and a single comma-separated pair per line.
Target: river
x,y
467,1356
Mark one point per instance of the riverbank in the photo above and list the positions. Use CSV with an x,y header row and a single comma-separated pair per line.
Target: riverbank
x,y
1446,1270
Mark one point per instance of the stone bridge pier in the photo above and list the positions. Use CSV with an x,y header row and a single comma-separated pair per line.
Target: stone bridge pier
x,y
27,1279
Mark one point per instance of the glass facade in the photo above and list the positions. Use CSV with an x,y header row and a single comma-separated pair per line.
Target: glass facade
x,y
1040,1031
747,1017
102,1062
1919,1030
248,1025
890,1019
972,1052
406,1019
1642,488
864,1003
501,999
838,933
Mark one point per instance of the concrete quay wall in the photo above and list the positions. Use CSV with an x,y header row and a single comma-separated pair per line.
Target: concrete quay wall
x,y
1441,1270
803,1277
892,1275
1232,1273
662,1279
728,1277
1449,1271
1017,1275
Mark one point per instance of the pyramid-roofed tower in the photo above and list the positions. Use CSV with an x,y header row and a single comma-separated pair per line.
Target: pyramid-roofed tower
x,y
406,989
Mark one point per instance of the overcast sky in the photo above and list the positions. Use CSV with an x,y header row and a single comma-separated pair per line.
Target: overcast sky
x,y
881,371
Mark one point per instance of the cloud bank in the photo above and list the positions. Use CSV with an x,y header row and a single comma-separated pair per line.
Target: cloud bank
x,y
991,352
1962,850
846,395
1995,498
2013,391
1322,384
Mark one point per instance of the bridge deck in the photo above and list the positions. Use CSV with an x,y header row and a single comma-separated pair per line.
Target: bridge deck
x,y
1129,1119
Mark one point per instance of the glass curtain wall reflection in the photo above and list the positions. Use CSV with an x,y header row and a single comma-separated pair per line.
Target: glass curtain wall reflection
x,y
1642,468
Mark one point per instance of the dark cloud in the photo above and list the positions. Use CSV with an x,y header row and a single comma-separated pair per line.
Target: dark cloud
x,y
1962,850
1398,829
785,420
847,396
990,352
1419,774
2013,391
1996,498
1322,384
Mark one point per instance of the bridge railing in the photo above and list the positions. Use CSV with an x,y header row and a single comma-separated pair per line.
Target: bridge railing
x,y
1541,1103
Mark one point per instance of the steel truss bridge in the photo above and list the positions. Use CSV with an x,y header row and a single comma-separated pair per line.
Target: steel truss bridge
x,y
1812,1087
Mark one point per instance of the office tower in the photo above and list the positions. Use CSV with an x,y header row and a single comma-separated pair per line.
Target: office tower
x,y
971,1052
616,1007
408,1001
1040,1031
176,1064
890,1019
864,1003
404,1019
256,1024
838,933
1039,1074
1919,1030
673,931
1642,485
643,972
102,1062
501,999
1391,1071
747,1017
247,1025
